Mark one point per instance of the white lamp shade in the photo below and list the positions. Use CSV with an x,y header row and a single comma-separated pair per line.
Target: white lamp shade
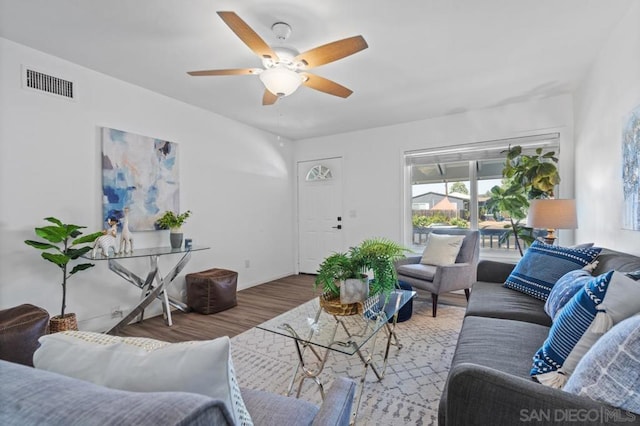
x,y
552,214
280,81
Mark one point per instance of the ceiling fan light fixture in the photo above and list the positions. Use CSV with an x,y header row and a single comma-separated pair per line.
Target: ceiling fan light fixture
x,y
281,81
281,75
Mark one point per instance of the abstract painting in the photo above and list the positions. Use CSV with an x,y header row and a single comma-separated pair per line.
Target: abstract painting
x,y
631,171
141,173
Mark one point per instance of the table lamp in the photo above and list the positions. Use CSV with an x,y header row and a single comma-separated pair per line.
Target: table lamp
x,y
552,214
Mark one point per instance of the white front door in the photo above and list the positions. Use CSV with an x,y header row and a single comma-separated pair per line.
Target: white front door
x,y
319,212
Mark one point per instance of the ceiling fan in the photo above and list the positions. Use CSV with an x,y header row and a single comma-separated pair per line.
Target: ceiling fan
x,y
284,68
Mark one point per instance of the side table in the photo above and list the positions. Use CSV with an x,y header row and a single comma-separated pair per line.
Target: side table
x,y
149,291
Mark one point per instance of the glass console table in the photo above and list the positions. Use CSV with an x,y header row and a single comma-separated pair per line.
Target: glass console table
x,y
149,291
317,331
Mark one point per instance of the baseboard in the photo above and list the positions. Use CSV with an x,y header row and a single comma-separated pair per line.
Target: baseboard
x,y
266,280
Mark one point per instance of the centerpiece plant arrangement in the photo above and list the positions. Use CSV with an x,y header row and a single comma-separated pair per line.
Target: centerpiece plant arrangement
x,y
64,245
526,177
174,222
339,270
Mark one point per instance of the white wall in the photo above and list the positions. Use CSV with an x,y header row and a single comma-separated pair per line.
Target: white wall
x,y
373,158
235,179
609,92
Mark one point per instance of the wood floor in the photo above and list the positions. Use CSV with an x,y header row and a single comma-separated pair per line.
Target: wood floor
x,y
255,305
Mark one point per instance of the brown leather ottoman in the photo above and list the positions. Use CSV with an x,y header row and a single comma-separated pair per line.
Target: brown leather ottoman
x,y
20,329
212,291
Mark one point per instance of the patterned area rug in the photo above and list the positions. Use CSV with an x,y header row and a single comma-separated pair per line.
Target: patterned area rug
x,y
407,395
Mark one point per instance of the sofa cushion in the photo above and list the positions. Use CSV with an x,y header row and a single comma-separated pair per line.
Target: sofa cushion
x,y
496,343
418,270
564,289
503,344
146,365
614,260
36,397
604,301
441,249
493,300
610,371
276,410
543,264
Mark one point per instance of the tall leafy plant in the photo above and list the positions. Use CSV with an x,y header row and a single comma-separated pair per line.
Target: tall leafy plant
x,y
537,174
526,177
62,247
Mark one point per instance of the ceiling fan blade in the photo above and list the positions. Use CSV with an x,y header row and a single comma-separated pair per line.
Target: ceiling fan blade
x,y
234,71
332,51
327,86
269,98
247,35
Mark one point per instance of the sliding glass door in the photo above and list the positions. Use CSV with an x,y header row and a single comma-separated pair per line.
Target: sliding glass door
x,y
448,188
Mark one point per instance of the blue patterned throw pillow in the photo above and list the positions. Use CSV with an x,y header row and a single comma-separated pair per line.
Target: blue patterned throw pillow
x,y
602,302
564,289
543,264
610,371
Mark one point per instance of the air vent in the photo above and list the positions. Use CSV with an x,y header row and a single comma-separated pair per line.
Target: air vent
x,y
41,82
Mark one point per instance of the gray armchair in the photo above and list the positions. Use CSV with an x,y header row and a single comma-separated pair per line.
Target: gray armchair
x,y
443,279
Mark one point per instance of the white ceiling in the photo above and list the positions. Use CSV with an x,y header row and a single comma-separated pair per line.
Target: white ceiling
x,y
426,58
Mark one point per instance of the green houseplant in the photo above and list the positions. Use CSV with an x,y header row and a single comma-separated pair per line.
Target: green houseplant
x,y
526,177
174,222
337,268
63,246
375,254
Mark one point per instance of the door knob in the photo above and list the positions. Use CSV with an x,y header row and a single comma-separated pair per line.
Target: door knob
x,y
337,227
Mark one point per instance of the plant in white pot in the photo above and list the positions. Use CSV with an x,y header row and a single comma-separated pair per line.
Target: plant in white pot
x,y
341,271
63,247
174,222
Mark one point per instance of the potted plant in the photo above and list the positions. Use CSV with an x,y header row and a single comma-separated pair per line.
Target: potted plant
x,y
379,256
375,254
61,249
339,271
174,222
526,177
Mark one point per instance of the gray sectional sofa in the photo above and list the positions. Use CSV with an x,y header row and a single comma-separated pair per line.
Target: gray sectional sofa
x,y
29,396
489,382
37,397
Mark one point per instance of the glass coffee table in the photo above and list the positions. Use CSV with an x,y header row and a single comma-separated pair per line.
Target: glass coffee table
x,y
317,333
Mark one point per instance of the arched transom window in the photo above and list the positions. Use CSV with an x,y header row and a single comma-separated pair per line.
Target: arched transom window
x,y
319,172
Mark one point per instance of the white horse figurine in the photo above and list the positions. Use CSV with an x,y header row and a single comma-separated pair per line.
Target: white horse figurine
x,y
106,241
126,239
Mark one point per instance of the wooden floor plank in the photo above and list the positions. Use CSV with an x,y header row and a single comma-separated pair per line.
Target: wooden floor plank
x,y
255,306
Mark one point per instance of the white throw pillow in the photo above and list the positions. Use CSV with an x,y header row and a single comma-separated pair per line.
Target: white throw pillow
x,y
608,372
441,249
146,365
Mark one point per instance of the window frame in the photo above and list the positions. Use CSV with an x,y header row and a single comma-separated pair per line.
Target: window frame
x,y
473,153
